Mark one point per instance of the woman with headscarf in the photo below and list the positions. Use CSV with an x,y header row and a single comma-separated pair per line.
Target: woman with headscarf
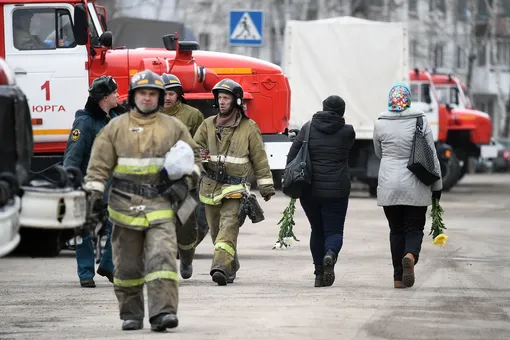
x,y
402,195
325,201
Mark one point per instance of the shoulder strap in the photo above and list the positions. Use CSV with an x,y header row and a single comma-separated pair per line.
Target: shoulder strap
x,y
305,141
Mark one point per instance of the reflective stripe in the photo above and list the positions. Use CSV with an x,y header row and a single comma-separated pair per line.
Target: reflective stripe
x,y
226,247
94,185
187,246
230,159
217,199
128,283
140,221
265,181
138,166
162,274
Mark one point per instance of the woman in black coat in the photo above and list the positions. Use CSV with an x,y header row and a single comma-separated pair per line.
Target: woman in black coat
x,y
325,201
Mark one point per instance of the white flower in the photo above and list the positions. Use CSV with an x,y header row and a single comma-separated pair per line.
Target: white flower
x,y
288,241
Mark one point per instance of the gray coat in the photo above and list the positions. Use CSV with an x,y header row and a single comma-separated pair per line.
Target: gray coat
x,y
393,138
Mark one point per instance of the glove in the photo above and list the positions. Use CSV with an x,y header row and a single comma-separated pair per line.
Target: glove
x,y
96,203
177,192
267,191
436,194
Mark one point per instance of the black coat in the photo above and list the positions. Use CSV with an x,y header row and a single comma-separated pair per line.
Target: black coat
x,y
330,143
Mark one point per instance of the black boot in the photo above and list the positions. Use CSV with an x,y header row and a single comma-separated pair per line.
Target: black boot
x,y
319,272
329,268
88,283
186,270
161,322
220,278
106,273
132,325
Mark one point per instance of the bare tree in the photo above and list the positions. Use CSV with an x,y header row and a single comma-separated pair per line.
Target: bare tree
x,y
494,10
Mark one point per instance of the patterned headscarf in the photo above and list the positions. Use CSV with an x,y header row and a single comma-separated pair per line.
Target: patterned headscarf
x,y
399,98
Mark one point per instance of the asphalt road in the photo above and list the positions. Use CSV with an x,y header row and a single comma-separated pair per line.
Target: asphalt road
x,y
462,290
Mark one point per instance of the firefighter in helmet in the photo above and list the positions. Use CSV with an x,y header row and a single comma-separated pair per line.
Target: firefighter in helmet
x,y
235,151
137,148
175,104
187,235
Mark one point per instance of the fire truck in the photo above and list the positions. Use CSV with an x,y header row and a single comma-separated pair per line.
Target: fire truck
x,y
425,98
57,48
469,131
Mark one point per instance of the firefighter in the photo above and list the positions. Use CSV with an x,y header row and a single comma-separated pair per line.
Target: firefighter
x,y
141,203
99,110
175,105
235,150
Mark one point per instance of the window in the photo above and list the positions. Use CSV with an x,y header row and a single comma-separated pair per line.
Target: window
x,y
482,55
94,36
439,55
413,52
461,58
42,29
413,8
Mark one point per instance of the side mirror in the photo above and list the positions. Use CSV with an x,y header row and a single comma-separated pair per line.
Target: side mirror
x,y
449,107
81,25
106,39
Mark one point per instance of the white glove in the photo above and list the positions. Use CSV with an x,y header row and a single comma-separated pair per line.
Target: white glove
x,y
179,161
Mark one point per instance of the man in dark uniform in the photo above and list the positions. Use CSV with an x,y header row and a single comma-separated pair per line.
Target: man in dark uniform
x,y
88,122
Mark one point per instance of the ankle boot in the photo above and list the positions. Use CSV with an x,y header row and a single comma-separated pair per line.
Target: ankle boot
x,y
398,284
408,274
329,268
319,272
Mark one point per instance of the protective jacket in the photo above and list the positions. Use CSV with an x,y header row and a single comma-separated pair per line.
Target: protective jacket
x,y
239,151
190,116
133,147
87,124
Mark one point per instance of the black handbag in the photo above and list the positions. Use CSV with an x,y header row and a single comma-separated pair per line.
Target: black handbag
x,y
421,160
297,175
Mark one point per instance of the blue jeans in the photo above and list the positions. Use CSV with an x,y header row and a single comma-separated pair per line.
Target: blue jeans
x,y
85,256
327,218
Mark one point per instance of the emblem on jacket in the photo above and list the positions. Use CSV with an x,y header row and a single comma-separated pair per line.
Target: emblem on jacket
x,y
75,135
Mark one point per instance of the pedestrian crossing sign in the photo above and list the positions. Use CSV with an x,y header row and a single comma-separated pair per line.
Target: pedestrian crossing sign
x,y
246,27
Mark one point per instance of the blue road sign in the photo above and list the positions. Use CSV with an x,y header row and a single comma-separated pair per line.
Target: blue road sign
x,y
246,27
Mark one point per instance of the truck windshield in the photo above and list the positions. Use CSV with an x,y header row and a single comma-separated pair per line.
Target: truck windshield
x,y
448,95
420,92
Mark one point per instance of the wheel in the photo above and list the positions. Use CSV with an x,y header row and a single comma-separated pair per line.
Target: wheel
x,y
40,242
452,172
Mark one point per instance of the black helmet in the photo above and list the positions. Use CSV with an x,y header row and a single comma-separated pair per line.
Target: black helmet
x,y
146,79
171,81
174,84
229,86
102,87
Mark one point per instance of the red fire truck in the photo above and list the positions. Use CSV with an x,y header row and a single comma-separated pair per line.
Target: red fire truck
x,y
56,48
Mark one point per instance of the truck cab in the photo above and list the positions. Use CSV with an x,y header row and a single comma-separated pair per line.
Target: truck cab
x,y
469,131
425,97
56,48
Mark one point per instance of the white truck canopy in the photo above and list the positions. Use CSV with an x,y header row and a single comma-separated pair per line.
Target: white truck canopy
x,y
357,59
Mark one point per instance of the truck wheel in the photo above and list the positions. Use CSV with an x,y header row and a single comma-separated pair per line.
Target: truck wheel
x,y
452,172
277,179
40,243
372,188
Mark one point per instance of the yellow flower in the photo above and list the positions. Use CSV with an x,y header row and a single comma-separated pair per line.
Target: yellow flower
x,y
440,240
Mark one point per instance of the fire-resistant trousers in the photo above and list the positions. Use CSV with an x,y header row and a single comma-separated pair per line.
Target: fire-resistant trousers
x,y
187,235
140,257
223,223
